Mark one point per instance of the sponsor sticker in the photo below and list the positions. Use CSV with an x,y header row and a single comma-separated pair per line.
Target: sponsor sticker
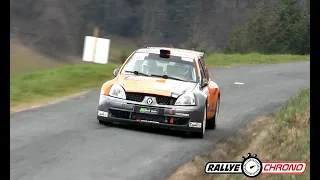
x,y
194,124
182,114
103,113
149,121
150,111
252,166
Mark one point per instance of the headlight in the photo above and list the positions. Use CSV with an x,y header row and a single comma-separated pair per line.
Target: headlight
x,y
117,91
186,99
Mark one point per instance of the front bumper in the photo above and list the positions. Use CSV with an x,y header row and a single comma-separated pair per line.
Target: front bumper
x,y
185,118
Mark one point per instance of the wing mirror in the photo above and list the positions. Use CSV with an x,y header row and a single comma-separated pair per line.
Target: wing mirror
x,y
204,82
115,72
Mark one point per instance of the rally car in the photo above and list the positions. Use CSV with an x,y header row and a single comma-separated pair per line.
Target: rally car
x,y
163,87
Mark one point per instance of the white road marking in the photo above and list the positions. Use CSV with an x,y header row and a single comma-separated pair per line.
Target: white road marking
x,y
238,83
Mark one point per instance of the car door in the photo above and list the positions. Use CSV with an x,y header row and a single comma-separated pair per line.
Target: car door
x,y
213,90
207,90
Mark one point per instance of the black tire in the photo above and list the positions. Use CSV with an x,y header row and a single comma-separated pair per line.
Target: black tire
x,y
203,127
198,135
211,123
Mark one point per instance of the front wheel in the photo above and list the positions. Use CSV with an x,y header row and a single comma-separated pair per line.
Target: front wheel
x,y
212,122
105,123
203,126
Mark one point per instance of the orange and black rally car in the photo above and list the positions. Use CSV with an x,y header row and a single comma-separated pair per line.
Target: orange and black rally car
x,y
163,87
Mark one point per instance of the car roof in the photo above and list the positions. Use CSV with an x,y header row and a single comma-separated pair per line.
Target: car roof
x,y
173,51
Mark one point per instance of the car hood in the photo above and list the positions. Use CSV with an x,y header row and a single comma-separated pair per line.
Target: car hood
x,y
154,85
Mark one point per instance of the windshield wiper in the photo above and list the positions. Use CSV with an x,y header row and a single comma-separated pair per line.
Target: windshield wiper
x,y
155,75
137,73
168,77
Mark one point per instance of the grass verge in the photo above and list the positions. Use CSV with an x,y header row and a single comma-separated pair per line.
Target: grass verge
x,y
251,58
53,83
284,136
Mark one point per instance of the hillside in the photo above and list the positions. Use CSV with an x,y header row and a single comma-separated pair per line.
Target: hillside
x,y
57,28
24,59
48,34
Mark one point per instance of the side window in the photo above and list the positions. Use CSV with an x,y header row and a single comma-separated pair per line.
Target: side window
x,y
204,67
201,69
203,62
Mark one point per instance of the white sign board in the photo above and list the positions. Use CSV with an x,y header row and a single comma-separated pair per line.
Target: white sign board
x,y
96,50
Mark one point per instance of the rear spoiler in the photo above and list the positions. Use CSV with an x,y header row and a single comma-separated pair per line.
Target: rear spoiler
x,y
198,53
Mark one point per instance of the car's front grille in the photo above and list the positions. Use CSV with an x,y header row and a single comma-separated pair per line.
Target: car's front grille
x,y
162,100
135,97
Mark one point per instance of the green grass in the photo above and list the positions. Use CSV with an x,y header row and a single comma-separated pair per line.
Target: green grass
x,y
252,58
283,137
58,82
289,138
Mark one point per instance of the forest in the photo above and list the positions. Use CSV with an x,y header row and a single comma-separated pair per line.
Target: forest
x,y
57,27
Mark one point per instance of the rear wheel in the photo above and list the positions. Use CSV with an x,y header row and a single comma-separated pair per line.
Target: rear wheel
x,y
212,122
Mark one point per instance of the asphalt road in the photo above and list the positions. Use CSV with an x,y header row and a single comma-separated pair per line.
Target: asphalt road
x,y
64,141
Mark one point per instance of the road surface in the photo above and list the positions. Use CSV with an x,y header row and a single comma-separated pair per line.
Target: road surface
x,y
64,141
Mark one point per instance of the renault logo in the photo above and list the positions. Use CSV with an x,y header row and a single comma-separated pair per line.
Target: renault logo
x,y
149,101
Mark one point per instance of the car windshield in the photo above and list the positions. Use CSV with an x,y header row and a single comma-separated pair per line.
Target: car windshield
x,y
174,67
